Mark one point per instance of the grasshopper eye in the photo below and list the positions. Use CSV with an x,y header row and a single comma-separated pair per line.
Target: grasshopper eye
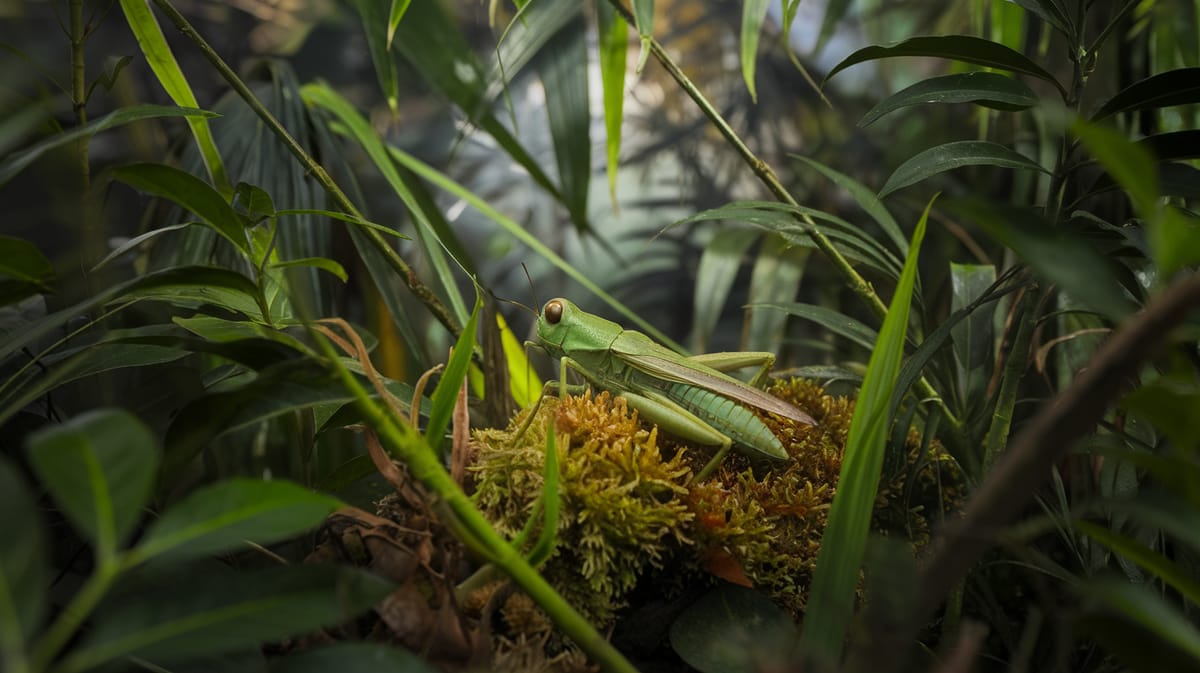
x,y
553,311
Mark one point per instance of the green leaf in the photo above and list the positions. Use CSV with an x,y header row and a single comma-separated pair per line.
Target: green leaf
x,y
835,580
953,47
425,171
614,47
395,15
23,566
445,395
834,321
1062,258
1166,89
213,614
1173,145
435,47
360,130
222,517
718,267
349,219
974,337
1144,556
1130,165
562,60
192,286
955,155
100,468
753,14
775,278
253,203
190,192
1175,240
322,263
162,61
866,199
643,20
21,260
136,241
733,629
988,89
1169,404
353,658
89,361
379,32
15,163
1148,610
1051,12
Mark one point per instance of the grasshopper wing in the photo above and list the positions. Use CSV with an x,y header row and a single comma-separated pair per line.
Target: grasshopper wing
x,y
664,364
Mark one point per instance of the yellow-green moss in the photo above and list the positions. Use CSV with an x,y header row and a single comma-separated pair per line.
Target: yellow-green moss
x,y
629,511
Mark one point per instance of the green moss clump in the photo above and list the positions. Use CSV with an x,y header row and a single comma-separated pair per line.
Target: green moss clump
x,y
629,510
622,511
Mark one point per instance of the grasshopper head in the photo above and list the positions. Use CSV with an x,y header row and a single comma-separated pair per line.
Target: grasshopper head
x,y
553,324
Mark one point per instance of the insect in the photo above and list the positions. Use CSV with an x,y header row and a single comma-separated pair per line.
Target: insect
x,y
690,397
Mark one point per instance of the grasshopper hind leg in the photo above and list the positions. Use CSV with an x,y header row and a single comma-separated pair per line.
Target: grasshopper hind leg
x,y
678,421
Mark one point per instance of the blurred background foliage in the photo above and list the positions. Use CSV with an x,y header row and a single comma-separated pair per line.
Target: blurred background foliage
x,y
483,133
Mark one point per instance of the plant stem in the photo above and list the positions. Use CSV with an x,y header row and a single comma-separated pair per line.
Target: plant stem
x,y
93,242
1006,399
68,621
425,467
766,174
402,269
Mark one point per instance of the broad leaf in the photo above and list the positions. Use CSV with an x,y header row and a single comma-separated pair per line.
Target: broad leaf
x,y
955,155
100,468
190,192
23,566
732,629
988,89
974,338
953,47
222,517
562,60
1166,89
212,614
1069,261
24,270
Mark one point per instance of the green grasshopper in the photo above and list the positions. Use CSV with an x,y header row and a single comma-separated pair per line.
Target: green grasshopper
x,y
690,397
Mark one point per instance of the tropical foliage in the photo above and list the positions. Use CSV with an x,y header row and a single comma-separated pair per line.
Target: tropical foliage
x,y
243,240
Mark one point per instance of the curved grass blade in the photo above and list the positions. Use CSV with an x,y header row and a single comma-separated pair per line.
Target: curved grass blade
x,y
834,321
953,47
955,155
162,61
15,163
718,267
866,198
446,392
988,89
395,15
843,544
614,48
379,32
753,14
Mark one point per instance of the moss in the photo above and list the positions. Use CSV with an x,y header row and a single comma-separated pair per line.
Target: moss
x,y
622,511
629,511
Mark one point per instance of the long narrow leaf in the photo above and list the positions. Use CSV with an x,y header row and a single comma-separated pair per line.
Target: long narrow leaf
x,y
15,163
988,89
753,14
955,155
614,47
831,601
446,393
379,32
567,109
190,192
162,61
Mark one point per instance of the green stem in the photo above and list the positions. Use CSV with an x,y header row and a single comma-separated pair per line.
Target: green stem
x,y
93,242
766,174
402,269
1010,380
424,466
63,628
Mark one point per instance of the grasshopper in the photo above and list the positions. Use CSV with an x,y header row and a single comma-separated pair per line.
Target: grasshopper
x,y
690,397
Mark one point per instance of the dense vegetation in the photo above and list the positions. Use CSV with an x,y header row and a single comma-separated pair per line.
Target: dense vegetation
x,y
262,405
